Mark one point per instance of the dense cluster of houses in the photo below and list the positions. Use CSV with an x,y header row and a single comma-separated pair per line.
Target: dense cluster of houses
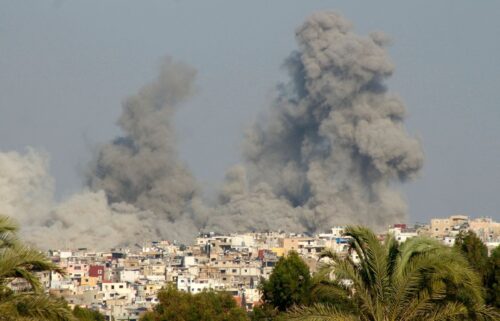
x,y
123,283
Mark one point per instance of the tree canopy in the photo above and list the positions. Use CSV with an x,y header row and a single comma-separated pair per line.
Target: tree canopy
x,y
21,262
420,279
84,314
476,253
204,306
492,280
289,284
474,250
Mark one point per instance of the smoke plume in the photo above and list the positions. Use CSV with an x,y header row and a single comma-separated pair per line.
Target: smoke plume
x,y
142,167
334,140
329,152
86,219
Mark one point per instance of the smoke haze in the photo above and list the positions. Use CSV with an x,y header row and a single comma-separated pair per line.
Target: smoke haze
x,y
328,152
334,140
142,167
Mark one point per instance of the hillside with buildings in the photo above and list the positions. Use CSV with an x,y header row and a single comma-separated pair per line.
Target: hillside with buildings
x,y
122,283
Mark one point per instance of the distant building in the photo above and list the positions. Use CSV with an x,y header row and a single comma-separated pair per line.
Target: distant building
x,y
441,227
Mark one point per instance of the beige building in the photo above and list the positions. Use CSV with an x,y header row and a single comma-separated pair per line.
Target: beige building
x,y
485,228
293,243
89,281
441,227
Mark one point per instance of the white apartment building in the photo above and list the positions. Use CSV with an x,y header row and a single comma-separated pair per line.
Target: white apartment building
x,y
117,290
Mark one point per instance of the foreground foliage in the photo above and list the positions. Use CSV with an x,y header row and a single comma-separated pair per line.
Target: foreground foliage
x,y
20,262
493,278
205,306
476,253
289,284
420,279
84,314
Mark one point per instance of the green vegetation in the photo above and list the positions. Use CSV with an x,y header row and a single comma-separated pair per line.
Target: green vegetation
x,y
492,280
488,268
205,306
84,314
20,262
289,284
474,251
420,279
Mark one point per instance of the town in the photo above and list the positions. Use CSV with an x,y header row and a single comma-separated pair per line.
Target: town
x,y
122,283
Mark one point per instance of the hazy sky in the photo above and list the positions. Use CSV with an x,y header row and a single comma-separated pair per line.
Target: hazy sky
x,y
66,66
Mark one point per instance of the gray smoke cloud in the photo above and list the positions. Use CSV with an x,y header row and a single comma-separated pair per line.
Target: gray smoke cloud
x,y
85,219
142,167
137,189
328,152
334,141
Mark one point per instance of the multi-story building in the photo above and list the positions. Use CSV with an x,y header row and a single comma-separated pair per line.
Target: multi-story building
x,y
441,227
123,283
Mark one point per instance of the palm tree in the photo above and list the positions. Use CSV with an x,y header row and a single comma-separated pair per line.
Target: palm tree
x,y
420,279
20,262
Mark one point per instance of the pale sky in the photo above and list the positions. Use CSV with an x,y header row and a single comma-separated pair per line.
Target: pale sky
x,y
66,66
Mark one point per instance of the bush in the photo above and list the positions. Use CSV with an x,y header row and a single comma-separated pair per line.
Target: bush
x,y
205,306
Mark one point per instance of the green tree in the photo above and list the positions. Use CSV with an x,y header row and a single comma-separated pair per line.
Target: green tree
x,y
289,284
84,314
267,312
420,279
474,250
492,280
488,268
20,262
176,305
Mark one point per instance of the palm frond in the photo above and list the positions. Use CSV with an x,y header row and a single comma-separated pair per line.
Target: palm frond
x,y
319,312
34,306
8,229
22,262
449,311
373,260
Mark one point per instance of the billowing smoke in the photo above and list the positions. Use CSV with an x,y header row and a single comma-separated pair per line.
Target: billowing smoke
x,y
142,167
86,219
329,152
138,189
26,189
333,142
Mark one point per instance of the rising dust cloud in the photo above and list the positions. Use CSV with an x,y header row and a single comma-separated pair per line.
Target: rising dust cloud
x,y
328,152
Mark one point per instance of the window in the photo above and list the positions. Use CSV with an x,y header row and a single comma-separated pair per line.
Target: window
x,y
121,286
234,271
112,287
